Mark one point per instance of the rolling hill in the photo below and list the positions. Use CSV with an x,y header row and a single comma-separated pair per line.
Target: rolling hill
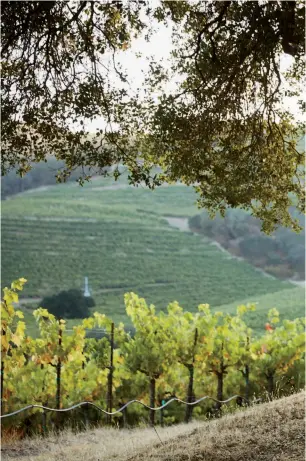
x,y
119,237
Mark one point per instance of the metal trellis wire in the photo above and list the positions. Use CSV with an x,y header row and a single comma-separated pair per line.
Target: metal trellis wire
x,y
175,399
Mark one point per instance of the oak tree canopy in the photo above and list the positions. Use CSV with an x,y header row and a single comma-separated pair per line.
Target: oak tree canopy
x,y
222,127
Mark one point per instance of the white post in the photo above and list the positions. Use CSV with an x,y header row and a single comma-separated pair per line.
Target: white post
x,y
86,290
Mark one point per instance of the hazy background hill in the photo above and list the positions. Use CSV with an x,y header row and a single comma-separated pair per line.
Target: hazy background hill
x,y
42,174
123,238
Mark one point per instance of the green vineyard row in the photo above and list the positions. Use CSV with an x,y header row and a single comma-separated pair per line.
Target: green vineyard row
x,y
175,353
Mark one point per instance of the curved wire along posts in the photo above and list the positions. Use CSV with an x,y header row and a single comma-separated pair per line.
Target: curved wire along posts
x,y
175,399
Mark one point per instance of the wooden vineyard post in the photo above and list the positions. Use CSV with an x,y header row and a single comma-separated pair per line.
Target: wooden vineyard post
x,y
270,379
152,401
44,422
2,383
190,396
86,418
44,413
124,414
161,415
58,370
58,373
247,376
83,361
220,377
110,376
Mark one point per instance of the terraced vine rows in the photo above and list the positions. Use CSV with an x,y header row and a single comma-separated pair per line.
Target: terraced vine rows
x,y
121,241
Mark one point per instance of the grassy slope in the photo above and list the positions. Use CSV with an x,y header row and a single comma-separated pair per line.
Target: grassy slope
x,y
121,241
267,432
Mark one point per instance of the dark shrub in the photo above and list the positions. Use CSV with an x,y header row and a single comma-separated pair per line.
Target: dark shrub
x,y
69,304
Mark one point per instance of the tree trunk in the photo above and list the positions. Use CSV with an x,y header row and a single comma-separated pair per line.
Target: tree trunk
x,y
152,400
189,399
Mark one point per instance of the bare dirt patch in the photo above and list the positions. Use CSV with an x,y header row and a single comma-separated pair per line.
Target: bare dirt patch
x,y
179,223
58,219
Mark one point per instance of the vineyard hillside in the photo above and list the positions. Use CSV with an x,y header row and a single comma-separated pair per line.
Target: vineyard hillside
x,y
120,237
267,432
288,302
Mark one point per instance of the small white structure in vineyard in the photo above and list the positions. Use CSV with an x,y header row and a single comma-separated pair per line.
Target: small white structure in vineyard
x,y
86,289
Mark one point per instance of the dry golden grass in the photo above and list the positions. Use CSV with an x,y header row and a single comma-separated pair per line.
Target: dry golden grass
x,y
270,432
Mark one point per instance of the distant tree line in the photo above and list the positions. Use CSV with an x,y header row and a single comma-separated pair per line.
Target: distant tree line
x,y
282,254
42,174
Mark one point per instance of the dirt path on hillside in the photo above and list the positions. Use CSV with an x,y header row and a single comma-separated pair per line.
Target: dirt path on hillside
x,y
299,283
129,186
28,300
115,186
179,223
36,300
